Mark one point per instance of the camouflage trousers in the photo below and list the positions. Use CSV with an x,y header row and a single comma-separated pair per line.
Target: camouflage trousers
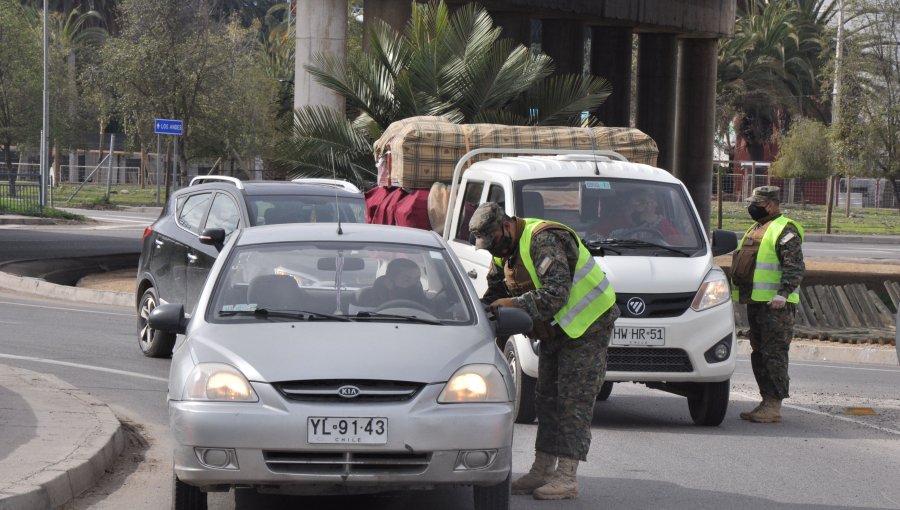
x,y
771,332
570,373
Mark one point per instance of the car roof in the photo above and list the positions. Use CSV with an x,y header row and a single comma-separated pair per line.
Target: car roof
x,y
277,188
351,232
523,168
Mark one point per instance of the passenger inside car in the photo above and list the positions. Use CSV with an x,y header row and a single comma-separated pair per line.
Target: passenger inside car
x,y
401,280
644,221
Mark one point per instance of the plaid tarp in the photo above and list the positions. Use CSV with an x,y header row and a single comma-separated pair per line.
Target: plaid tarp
x,y
425,150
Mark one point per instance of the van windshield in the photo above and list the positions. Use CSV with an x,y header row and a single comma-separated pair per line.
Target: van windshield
x,y
603,210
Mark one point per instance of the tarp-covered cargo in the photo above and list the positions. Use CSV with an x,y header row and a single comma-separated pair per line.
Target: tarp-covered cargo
x,y
425,150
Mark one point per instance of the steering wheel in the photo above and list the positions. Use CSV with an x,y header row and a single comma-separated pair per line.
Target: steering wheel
x,y
402,303
648,234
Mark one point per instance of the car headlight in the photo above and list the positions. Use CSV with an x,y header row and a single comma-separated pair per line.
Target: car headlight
x,y
218,382
475,383
713,292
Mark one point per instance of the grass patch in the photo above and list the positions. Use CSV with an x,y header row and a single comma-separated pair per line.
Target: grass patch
x,y
863,221
93,196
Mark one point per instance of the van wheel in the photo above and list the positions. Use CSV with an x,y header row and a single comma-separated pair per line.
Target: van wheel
x,y
709,406
605,390
525,412
153,343
492,497
187,497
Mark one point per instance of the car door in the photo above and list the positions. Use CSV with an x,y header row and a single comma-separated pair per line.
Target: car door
x,y
190,218
223,213
475,262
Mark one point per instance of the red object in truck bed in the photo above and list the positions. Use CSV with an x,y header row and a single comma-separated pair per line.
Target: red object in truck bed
x,y
396,206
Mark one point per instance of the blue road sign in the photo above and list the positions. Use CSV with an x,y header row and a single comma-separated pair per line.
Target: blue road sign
x,y
168,127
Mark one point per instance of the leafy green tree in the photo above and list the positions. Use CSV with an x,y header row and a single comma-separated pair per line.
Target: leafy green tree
x,y
805,151
442,64
20,82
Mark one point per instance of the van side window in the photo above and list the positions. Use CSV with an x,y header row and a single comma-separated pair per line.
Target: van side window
x,y
191,213
471,199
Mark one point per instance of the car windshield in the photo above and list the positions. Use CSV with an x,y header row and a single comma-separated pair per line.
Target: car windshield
x,y
616,216
274,209
376,282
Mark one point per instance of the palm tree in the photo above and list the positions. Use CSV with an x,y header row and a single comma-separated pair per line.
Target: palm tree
x,y
451,65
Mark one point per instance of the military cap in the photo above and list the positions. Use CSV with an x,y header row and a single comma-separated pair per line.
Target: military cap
x,y
765,194
486,219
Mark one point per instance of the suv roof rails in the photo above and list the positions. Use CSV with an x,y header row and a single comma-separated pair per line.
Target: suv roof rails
x,y
201,179
332,183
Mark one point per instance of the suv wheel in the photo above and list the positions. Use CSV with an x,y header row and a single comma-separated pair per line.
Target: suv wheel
x,y
525,412
709,406
153,343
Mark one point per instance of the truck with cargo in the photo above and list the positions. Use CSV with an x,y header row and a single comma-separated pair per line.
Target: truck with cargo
x,y
676,329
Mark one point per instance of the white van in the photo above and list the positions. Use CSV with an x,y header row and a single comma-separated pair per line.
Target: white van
x,y
676,331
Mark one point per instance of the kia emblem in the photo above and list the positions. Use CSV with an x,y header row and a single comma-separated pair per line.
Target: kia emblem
x,y
636,306
348,391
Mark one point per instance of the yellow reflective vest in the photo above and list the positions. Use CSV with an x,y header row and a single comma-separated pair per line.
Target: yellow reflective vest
x,y
767,274
591,294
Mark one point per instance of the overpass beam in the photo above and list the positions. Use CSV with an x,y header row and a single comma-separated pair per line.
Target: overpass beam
x,y
563,41
611,51
321,29
695,121
395,13
515,25
657,71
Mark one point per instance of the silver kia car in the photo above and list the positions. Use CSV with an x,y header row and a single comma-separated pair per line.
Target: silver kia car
x,y
327,359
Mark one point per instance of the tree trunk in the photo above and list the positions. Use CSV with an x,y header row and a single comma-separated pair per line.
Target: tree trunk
x,y
11,171
144,169
73,166
100,147
55,168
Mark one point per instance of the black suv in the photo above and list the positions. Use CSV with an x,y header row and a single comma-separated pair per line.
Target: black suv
x,y
179,248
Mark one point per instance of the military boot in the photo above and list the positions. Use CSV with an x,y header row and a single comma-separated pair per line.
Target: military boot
x,y
540,474
564,484
769,412
746,414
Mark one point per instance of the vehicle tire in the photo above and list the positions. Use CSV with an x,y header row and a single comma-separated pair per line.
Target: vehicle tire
x,y
153,343
525,412
709,408
492,497
187,497
605,390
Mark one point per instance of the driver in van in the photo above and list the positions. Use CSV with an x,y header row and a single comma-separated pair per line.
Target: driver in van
x,y
401,280
643,220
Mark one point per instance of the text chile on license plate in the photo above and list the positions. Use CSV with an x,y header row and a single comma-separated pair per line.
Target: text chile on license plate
x,y
352,430
638,336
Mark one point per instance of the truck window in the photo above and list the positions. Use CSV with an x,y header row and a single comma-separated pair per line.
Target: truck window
x,y
496,195
471,199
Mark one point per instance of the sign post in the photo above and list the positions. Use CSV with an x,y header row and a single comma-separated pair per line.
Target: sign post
x,y
167,127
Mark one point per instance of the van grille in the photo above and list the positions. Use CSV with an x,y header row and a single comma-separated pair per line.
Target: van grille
x,y
657,305
647,359
340,390
346,463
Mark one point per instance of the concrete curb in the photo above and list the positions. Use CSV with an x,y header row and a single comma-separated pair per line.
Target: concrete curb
x,y
24,220
804,350
43,288
47,471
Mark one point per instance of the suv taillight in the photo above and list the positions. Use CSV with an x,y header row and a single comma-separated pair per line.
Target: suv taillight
x,y
147,231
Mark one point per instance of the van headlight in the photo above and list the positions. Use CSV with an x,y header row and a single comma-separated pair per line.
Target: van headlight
x,y
713,292
218,382
475,383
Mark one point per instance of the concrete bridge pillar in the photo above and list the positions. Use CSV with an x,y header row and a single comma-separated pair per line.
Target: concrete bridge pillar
x,y
563,41
611,59
395,13
657,71
695,120
321,28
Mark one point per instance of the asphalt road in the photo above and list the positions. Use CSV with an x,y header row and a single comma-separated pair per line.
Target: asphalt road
x,y
646,452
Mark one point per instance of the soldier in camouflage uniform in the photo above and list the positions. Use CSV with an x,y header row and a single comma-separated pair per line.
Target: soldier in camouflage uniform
x,y
766,272
571,370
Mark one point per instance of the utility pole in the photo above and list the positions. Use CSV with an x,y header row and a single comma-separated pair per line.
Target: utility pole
x,y
45,174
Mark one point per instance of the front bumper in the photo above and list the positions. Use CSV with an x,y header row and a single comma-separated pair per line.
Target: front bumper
x,y
268,440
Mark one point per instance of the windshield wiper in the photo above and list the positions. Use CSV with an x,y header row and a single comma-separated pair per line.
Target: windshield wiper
x,y
635,243
285,314
410,318
598,245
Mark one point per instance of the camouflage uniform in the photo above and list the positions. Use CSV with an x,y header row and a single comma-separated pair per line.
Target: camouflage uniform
x,y
771,330
570,371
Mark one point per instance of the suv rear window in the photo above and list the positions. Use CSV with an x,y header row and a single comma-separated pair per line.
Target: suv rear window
x,y
271,210
190,216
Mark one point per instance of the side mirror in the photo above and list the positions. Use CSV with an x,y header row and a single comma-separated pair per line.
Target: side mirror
x,y
723,241
510,321
168,318
213,237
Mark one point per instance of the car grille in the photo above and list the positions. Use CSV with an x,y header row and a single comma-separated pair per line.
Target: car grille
x,y
646,359
657,305
346,463
334,390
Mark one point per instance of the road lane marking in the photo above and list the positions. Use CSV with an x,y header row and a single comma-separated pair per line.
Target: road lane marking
x,y
82,366
822,413
66,309
895,371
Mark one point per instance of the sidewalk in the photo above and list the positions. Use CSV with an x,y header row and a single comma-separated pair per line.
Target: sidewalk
x,y
58,440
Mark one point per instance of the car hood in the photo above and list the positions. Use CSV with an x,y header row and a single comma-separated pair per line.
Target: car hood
x,y
285,351
655,275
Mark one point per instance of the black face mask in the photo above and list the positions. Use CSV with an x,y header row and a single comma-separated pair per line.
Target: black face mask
x,y
504,246
757,212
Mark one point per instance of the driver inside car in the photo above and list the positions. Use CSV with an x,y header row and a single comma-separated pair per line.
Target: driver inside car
x,y
643,220
401,280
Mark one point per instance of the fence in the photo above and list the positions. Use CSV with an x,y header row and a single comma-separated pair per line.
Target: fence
x,y
20,192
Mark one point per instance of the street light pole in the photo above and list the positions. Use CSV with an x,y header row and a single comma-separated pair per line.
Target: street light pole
x,y
45,119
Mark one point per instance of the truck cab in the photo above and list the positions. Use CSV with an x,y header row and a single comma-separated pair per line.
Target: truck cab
x,y
676,330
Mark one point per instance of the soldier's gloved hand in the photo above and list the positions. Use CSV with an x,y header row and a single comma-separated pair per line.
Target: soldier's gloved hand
x,y
778,302
500,302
